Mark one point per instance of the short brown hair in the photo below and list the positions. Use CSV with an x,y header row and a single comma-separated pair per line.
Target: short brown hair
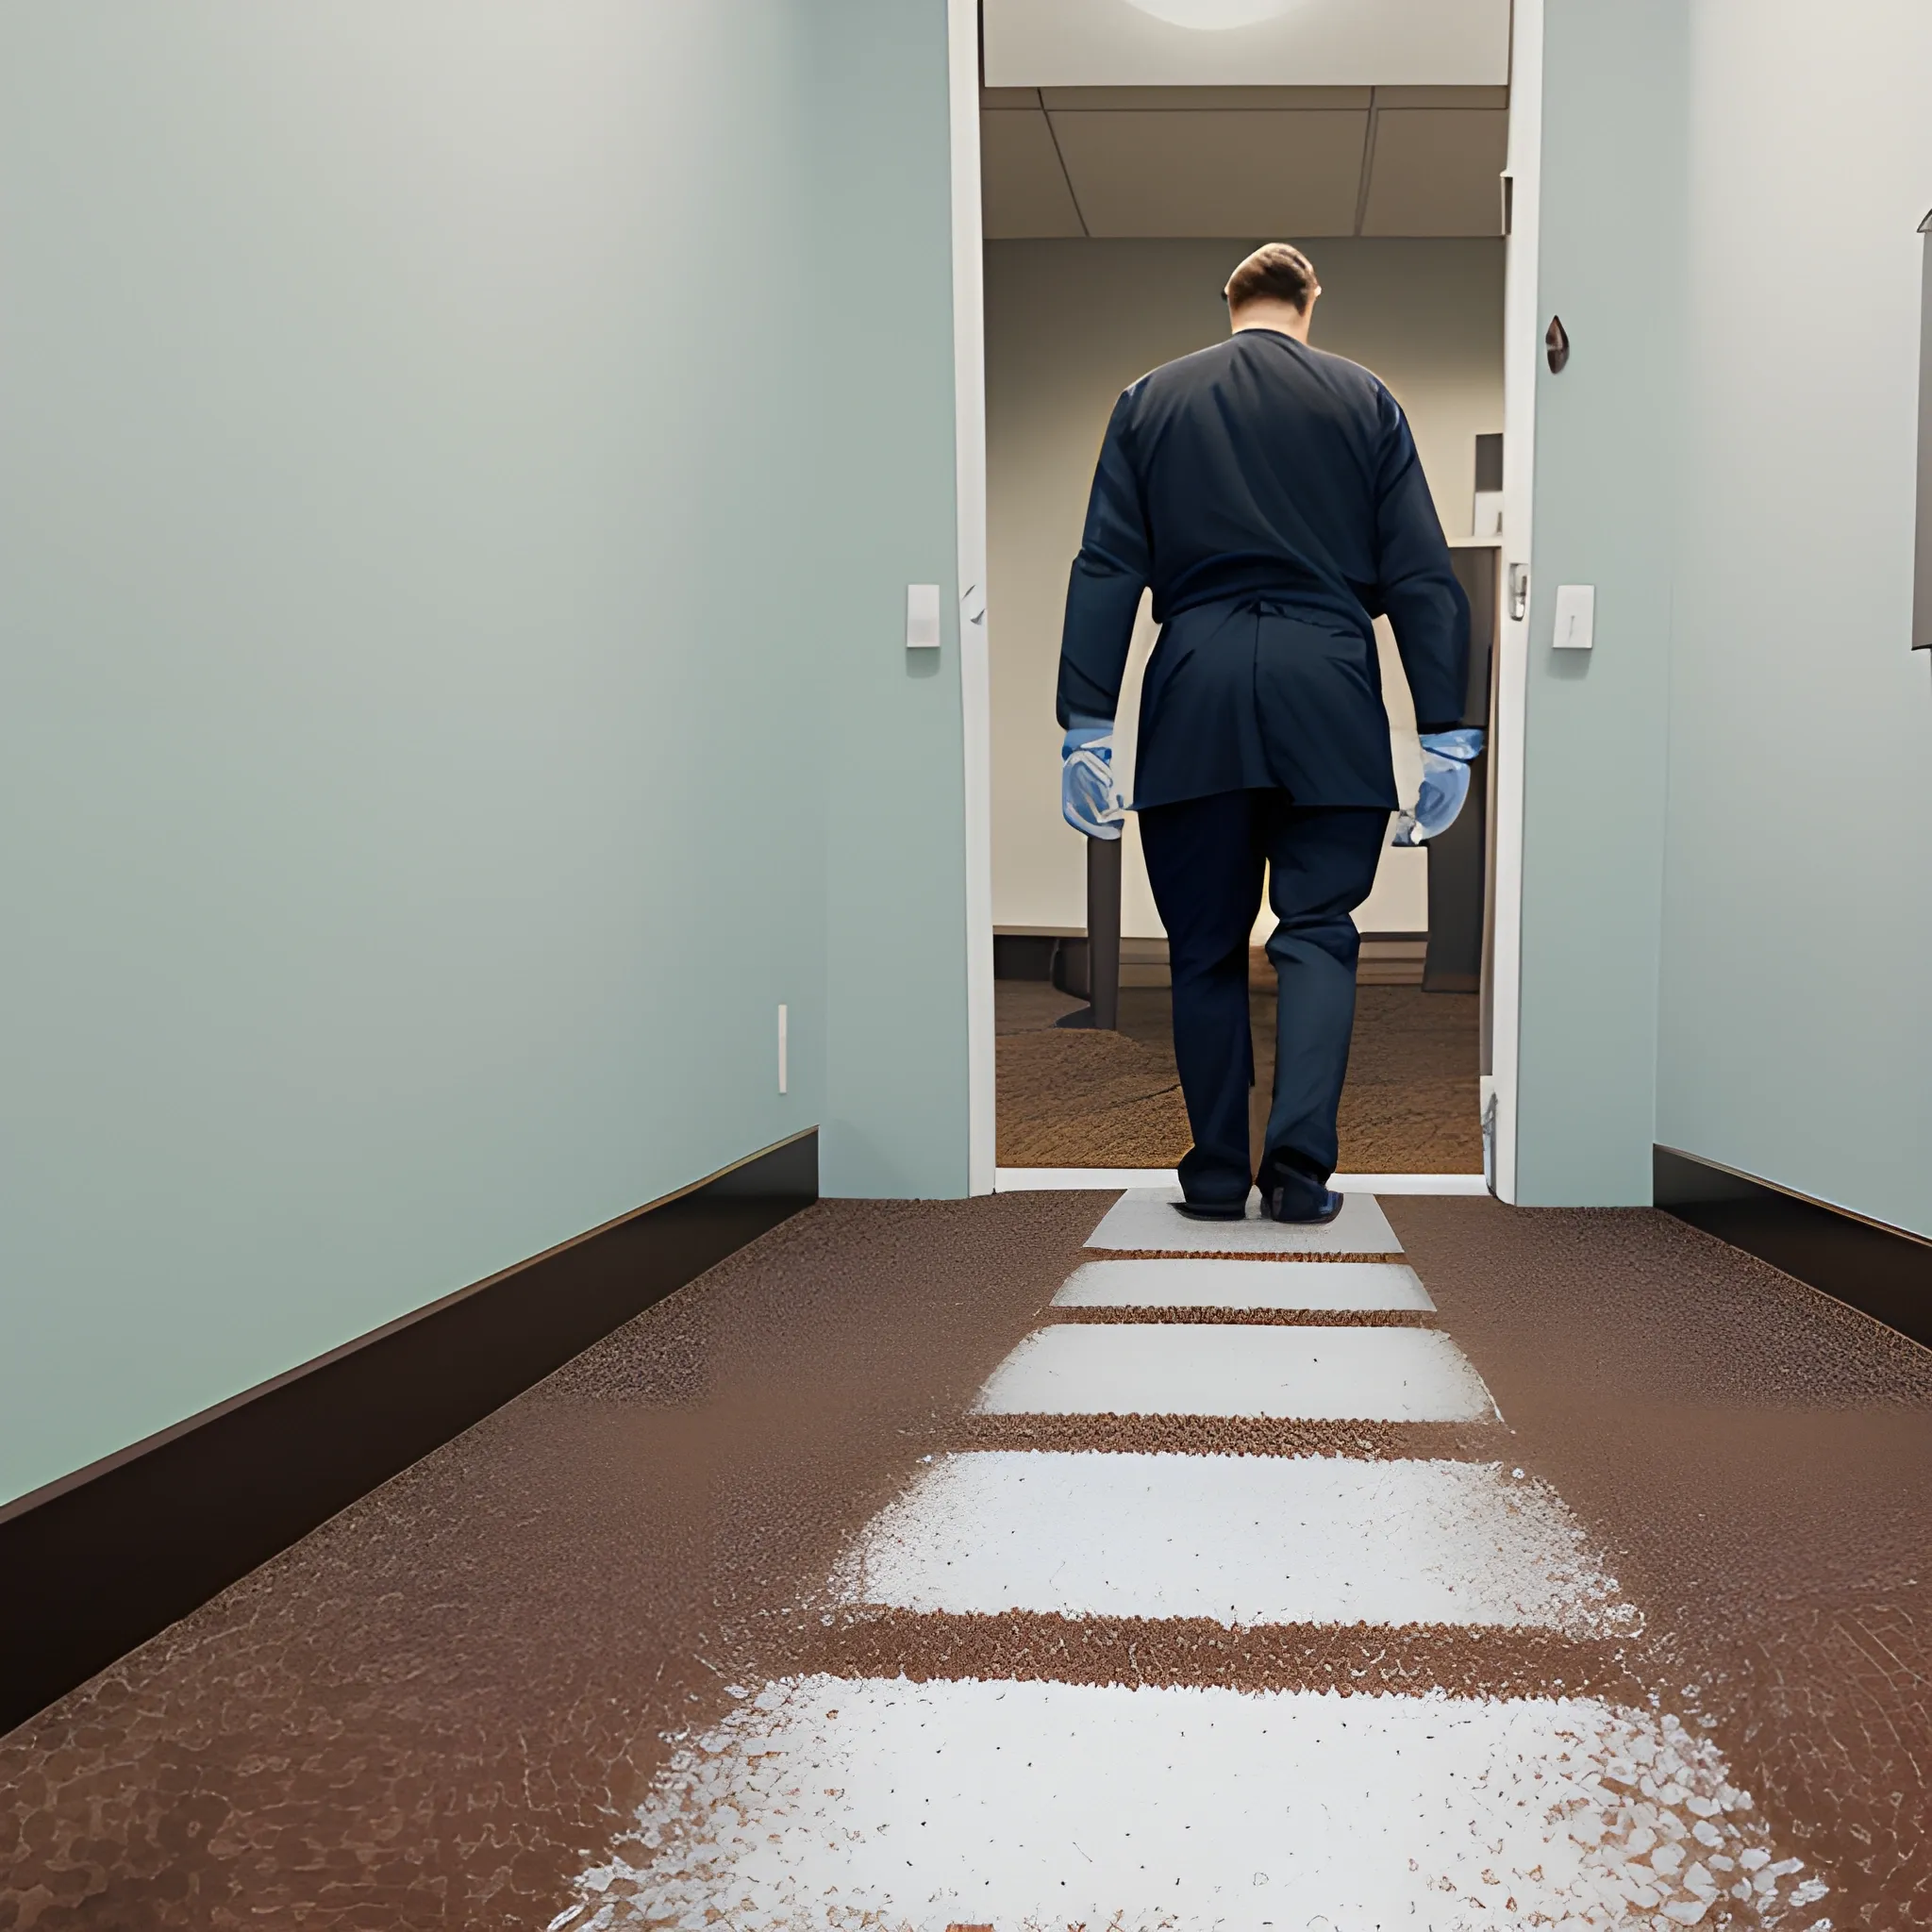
x,y
1275,273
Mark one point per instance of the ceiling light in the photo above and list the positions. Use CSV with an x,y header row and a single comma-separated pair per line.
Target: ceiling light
x,y
1213,15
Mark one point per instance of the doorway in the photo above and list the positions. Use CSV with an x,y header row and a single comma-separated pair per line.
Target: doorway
x,y
1111,217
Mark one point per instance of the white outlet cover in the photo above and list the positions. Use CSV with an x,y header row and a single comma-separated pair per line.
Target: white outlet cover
x,y
1576,617
922,617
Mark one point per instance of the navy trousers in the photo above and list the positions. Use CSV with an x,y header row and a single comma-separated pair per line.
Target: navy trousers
x,y
1206,858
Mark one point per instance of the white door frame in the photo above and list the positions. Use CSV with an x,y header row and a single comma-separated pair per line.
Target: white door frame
x,y
975,682
1522,340
1522,343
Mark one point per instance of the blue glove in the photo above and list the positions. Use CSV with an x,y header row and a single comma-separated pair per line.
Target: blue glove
x,y
1090,799
1445,785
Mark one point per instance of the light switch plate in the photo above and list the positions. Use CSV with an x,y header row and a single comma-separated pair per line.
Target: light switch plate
x,y
922,617
1576,617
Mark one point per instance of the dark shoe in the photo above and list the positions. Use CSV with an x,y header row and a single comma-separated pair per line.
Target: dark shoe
x,y
1213,1210
1283,1206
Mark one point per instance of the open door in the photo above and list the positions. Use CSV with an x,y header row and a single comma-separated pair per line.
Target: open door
x,y
1098,137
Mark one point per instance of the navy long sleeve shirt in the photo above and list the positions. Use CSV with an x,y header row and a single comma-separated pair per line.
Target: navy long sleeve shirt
x,y
1271,496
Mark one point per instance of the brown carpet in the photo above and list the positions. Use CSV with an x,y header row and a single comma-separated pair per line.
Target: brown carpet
x,y
1088,1100
1758,1460
1082,1099
426,1716
430,1714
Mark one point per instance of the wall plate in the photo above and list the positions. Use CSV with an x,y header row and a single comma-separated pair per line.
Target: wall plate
x,y
1576,617
922,617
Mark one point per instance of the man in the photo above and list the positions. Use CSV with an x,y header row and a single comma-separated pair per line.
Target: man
x,y
1271,496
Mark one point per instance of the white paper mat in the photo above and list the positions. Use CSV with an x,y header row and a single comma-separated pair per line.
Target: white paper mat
x,y
1328,1285
1144,1219
1240,1539
1313,1374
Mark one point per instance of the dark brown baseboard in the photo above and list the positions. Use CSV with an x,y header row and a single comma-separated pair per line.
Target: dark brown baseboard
x,y
105,1558
1883,1270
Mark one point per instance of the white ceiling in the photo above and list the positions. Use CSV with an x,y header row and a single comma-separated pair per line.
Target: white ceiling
x,y
1291,162
1236,43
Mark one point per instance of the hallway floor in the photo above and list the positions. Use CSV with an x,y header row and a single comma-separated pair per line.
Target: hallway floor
x,y
1070,1098
1048,1561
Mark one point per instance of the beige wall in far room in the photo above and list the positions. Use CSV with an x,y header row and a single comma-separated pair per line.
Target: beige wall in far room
x,y
1069,324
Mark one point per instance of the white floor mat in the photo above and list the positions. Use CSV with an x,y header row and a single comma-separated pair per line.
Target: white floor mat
x,y
1327,1285
1243,1539
1316,1374
830,1806
1144,1219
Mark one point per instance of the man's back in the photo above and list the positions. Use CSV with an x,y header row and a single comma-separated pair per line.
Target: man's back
x,y
1262,467
1259,462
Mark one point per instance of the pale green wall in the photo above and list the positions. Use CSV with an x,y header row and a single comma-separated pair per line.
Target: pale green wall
x,y
895,1100
1727,912
1796,1038
446,543
1597,723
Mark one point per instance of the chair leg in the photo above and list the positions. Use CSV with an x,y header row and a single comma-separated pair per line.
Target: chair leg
x,y
1104,930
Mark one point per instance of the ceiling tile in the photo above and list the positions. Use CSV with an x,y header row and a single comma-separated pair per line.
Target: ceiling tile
x,y
1237,174
1435,172
1022,184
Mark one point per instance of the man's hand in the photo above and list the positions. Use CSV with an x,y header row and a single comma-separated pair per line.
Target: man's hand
x,y
1090,799
1446,756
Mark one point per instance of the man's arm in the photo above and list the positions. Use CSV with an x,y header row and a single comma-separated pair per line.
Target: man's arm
x,y
1103,593
1425,605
